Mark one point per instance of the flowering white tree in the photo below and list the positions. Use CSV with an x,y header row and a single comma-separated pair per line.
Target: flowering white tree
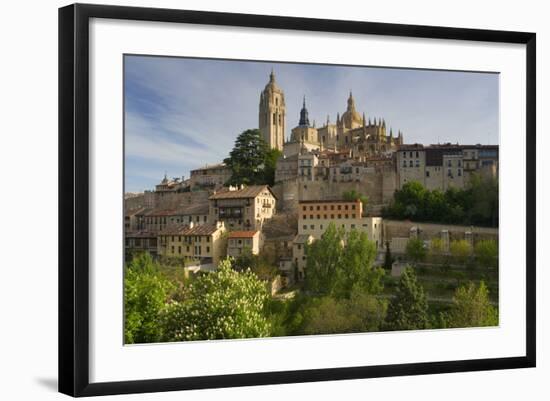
x,y
221,305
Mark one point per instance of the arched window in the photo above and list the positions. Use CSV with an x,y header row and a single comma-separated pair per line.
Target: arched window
x,y
274,118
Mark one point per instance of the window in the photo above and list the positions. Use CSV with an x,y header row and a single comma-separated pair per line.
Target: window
x,y
318,207
346,216
427,173
299,246
449,173
321,226
459,163
311,217
410,163
325,207
304,208
417,154
352,207
352,226
346,207
417,163
405,155
304,227
173,249
449,163
187,248
179,250
411,154
207,249
312,227
324,216
339,216
404,163
339,207
318,216
459,172
331,207
207,239
331,216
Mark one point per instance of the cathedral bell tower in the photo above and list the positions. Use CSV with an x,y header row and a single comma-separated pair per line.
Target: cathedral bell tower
x,y
272,115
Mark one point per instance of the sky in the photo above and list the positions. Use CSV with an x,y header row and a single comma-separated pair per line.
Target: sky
x,y
184,113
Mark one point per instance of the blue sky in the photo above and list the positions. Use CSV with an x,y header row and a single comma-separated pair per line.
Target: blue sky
x,y
184,113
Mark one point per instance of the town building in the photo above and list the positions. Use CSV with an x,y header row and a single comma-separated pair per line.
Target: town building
x,y
244,208
445,166
240,242
206,243
136,242
299,253
210,177
197,214
315,217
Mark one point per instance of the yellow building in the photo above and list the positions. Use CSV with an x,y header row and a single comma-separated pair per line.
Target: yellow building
x,y
315,216
242,241
244,208
205,243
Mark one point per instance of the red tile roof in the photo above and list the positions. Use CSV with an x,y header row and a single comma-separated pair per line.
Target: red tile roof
x,y
247,192
204,229
242,234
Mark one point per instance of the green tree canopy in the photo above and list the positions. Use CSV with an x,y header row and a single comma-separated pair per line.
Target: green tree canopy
x,y
415,250
251,161
461,250
360,313
353,195
476,204
220,305
337,264
486,252
472,308
146,292
408,310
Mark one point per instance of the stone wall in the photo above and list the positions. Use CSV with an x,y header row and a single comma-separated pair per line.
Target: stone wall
x,y
378,186
167,200
394,229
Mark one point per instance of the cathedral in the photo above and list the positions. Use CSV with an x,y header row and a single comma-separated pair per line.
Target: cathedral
x,y
351,132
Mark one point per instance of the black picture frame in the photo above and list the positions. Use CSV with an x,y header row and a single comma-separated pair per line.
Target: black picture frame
x,y
74,198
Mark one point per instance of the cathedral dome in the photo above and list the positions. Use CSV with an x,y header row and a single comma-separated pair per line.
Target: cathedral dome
x,y
351,118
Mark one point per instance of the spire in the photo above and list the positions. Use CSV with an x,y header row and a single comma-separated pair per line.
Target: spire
x,y
304,118
375,121
351,102
391,132
272,76
364,120
384,123
338,118
369,121
328,119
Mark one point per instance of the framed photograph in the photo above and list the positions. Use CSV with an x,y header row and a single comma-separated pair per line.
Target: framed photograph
x,y
251,199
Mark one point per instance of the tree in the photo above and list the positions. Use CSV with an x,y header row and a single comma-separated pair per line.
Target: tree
x,y
338,264
328,315
472,308
461,250
436,246
486,252
251,161
415,250
146,292
220,305
388,258
353,195
408,310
